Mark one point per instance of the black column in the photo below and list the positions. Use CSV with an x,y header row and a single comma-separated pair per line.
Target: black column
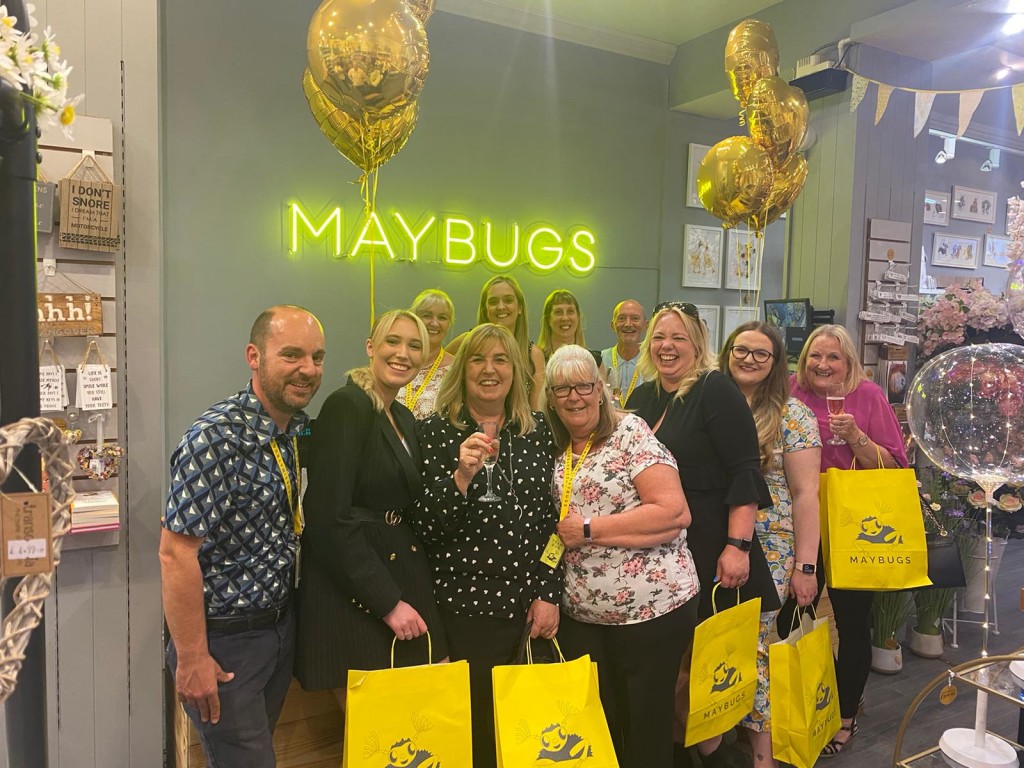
x,y
19,379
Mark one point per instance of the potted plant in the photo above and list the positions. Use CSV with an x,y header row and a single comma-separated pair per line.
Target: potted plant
x,y
889,611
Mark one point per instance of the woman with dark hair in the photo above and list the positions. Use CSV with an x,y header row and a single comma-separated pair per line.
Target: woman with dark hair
x,y
502,302
702,418
865,429
787,434
437,312
365,578
561,324
629,577
485,552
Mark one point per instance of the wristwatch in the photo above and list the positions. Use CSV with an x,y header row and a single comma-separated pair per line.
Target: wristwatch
x,y
863,440
807,567
743,545
586,531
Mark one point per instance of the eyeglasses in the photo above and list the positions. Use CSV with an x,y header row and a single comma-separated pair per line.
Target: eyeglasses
x,y
759,355
683,306
584,388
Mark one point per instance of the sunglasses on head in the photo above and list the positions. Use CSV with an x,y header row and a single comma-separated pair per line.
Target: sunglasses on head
x,y
683,306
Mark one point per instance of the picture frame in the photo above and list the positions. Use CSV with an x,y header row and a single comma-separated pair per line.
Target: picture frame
x,y
702,256
936,208
694,159
711,314
735,316
995,251
958,251
972,204
743,258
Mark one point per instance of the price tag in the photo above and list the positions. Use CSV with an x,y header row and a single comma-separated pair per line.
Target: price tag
x,y
25,528
94,387
948,694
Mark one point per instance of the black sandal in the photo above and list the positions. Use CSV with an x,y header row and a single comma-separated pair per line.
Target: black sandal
x,y
834,747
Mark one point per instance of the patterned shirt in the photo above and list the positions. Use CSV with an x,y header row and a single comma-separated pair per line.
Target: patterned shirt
x,y
626,368
424,405
622,585
226,488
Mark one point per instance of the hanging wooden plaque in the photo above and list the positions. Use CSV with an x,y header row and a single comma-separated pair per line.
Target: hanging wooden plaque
x,y
90,209
69,314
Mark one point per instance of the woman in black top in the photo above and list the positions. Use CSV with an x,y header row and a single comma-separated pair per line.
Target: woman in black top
x,y
365,576
702,418
485,555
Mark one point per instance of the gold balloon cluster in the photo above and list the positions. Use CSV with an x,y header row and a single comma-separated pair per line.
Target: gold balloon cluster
x,y
368,60
756,179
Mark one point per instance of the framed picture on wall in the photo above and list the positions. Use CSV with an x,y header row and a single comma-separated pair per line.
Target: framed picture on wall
x,y
697,152
702,257
974,205
995,251
955,251
743,260
735,316
936,208
711,315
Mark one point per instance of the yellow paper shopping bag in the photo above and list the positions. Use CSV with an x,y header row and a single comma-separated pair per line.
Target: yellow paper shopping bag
x,y
872,529
802,692
549,714
409,716
723,670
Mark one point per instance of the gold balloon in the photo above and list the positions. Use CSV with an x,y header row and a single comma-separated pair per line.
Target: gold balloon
x,y
369,56
750,54
788,184
368,144
422,9
734,181
777,114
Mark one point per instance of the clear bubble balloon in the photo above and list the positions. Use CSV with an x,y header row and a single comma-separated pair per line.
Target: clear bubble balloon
x,y
966,412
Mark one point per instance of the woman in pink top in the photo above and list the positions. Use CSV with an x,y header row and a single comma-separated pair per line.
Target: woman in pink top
x,y
864,421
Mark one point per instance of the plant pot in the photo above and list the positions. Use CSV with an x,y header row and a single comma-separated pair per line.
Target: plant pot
x,y
926,646
887,661
974,592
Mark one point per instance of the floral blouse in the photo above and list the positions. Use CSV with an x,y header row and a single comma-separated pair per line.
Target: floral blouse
x,y
622,585
799,431
424,405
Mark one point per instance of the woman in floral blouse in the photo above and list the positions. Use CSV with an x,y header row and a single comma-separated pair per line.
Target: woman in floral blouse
x,y
435,309
787,433
629,577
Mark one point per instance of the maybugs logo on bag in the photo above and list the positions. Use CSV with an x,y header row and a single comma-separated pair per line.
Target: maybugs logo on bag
x,y
824,697
558,744
406,752
870,540
825,709
874,531
720,681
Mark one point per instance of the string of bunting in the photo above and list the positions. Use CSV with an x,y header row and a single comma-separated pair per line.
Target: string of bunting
x,y
925,97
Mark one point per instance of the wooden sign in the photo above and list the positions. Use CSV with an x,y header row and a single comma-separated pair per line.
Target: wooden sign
x,y
90,209
69,314
26,544
44,205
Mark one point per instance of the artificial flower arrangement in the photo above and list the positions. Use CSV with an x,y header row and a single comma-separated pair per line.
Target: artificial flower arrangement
x,y
31,70
964,314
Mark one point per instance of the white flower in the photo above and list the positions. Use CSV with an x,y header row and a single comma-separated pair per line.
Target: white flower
x,y
34,67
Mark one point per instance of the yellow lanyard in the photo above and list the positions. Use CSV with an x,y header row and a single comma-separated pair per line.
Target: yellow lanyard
x,y
632,384
570,474
410,396
294,502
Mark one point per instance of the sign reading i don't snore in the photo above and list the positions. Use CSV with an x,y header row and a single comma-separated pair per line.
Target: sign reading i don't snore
x,y
453,241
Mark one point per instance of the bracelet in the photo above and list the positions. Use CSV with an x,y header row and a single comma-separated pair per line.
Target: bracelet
x,y
586,531
863,439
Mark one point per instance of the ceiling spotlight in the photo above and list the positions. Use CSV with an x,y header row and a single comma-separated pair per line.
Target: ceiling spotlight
x,y
1014,24
948,151
1003,73
992,162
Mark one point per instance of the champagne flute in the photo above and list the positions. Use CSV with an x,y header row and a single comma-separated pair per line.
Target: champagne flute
x,y
835,400
615,382
490,428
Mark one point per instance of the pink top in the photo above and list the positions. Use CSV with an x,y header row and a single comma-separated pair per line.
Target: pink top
x,y
871,411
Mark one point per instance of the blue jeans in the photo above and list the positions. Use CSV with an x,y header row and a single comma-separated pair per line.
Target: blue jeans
x,y
251,702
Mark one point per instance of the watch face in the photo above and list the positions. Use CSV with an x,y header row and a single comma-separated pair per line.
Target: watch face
x,y
807,568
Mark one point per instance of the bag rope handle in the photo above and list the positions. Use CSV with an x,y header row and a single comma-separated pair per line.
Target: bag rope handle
x,y
430,650
853,464
714,590
529,650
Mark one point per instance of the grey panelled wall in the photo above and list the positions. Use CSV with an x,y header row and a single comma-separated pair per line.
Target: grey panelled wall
x,y
103,641
858,171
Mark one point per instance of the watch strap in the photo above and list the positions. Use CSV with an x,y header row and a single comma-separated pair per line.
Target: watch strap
x,y
586,531
741,544
806,567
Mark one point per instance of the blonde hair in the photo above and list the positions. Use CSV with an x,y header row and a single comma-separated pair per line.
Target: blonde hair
x,y
561,296
433,296
702,359
452,397
522,326
768,403
575,362
854,370
363,375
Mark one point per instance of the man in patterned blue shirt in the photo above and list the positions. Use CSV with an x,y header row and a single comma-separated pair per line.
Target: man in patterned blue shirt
x,y
229,542
629,321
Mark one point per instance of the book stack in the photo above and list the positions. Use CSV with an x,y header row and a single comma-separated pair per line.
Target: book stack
x,y
95,511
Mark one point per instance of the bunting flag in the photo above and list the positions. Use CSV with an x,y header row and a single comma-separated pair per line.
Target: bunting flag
x,y
1018,106
884,92
969,101
860,88
923,101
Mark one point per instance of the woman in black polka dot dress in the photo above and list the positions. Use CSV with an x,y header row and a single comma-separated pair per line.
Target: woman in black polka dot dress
x,y
486,555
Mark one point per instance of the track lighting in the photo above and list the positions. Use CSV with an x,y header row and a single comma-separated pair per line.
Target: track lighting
x,y
948,151
992,162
